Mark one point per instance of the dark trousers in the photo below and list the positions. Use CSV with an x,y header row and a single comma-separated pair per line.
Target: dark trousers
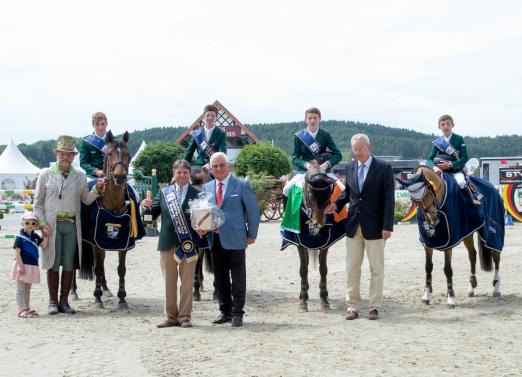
x,y
227,264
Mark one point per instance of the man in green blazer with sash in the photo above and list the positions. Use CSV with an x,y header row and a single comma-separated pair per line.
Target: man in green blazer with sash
x,y
206,141
175,259
92,148
313,143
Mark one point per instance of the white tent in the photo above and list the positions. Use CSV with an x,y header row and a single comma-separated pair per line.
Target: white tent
x,y
140,149
15,168
76,162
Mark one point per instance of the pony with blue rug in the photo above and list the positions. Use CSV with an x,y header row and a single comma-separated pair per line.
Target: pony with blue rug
x,y
447,217
306,226
112,222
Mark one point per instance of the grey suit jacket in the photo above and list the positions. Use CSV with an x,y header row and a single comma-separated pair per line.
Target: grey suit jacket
x,y
241,214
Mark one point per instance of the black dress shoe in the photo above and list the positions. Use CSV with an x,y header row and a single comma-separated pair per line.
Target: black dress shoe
x,y
222,318
237,321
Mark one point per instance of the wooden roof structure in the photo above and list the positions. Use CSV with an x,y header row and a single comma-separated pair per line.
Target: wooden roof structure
x,y
234,129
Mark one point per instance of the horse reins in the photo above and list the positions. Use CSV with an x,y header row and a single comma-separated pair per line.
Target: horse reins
x,y
109,174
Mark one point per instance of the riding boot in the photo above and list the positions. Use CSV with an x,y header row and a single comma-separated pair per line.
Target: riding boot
x,y
469,194
67,277
53,278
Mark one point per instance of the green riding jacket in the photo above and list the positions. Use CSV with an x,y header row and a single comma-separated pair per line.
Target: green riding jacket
x,y
91,158
456,142
218,142
301,154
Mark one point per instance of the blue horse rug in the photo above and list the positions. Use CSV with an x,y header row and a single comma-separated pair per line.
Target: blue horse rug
x,y
108,231
459,218
313,238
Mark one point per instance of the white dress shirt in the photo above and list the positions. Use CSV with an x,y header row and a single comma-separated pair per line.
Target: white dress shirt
x,y
314,134
208,132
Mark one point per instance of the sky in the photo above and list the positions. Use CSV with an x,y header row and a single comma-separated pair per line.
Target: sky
x,y
147,64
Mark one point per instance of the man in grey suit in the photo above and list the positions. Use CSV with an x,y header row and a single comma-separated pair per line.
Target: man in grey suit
x,y
228,243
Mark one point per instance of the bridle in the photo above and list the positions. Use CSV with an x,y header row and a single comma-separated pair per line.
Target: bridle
x,y
119,179
430,209
309,189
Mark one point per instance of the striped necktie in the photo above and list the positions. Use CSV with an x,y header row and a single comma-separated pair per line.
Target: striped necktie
x,y
179,194
219,194
360,176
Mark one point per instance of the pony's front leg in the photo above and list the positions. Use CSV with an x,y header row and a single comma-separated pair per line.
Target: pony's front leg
x,y
98,272
105,289
122,255
448,271
496,278
198,277
472,254
428,288
303,272
323,270
73,294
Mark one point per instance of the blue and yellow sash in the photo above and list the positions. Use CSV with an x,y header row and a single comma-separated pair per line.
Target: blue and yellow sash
x,y
202,142
310,143
442,145
96,142
187,246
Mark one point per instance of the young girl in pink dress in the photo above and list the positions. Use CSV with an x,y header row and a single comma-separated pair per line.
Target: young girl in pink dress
x,y
25,267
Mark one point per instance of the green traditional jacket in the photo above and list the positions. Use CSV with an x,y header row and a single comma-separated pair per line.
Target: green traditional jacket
x,y
218,142
168,237
91,158
456,142
301,154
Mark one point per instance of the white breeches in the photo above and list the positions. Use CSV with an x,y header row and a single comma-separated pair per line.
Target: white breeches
x,y
460,178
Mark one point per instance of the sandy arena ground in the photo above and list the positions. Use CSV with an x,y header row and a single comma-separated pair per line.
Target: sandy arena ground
x,y
481,337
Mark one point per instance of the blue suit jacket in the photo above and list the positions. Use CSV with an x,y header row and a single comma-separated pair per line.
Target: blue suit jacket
x,y
241,214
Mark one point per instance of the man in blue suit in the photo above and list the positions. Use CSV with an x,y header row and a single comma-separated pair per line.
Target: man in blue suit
x,y
228,243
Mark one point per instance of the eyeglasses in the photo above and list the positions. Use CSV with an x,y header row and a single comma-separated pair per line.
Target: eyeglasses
x,y
218,166
30,223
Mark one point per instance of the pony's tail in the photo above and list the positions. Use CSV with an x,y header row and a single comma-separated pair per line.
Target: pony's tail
x,y
208,261
87,265
485,255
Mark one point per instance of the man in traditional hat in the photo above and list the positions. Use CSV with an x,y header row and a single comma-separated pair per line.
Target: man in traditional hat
x,y
59,191
93,146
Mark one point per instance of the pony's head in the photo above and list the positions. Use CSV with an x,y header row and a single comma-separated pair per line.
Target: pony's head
x,y
116,163
318,188
199,176
426,189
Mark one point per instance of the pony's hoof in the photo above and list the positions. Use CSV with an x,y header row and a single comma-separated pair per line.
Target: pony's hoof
x,y
74,296
426,302
496,294
451,306
325,306
99,305
123,306
107,293
303,308
471,294
196,296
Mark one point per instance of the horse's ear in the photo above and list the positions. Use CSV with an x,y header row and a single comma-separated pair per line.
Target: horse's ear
x,y
110,137
126,137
